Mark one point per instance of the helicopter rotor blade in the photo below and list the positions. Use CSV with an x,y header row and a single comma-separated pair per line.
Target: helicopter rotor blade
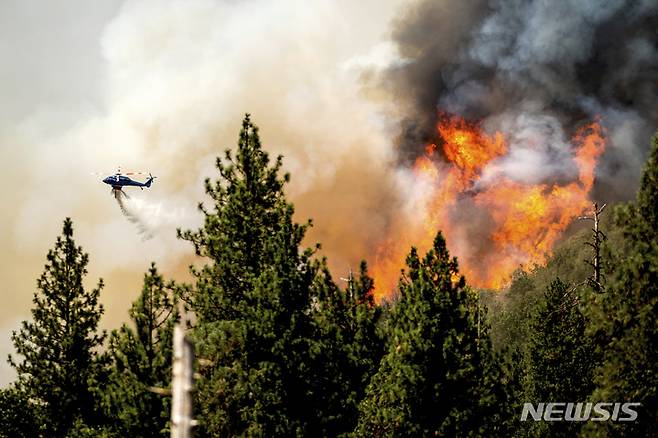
x,y
119,173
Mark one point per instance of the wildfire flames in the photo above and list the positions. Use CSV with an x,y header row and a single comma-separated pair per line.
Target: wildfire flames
x,y
523,220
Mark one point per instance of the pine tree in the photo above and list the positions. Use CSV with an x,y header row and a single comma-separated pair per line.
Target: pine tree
x,y
18,417
348,349
252,301
59,346
242,233
560,358
431,380
510,320
141,358
625,313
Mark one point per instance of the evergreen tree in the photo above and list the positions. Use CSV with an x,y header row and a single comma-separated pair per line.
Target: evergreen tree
x,y
82,430
141,362
60,365
348,350
252,301
432,379
18,417
510,318
625,313
560,358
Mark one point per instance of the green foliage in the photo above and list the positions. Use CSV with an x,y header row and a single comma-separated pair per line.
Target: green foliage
x,y
510,312
18,417
624,315
620,334
60,366
252,300
560,359
141,360
246,233
82,430
347,350
432,379
647,197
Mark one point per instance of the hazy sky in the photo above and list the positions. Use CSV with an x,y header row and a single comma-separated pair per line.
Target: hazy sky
x,y
162,86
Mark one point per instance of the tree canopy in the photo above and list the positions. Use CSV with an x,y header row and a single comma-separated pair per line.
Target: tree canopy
x,y
57,358
283,349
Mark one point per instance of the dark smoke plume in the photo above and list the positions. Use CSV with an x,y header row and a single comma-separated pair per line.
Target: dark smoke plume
x,y
533,70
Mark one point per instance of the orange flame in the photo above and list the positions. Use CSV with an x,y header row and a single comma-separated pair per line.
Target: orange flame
x,y
524,220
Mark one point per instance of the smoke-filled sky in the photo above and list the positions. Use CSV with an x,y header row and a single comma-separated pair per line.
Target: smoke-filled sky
x,y
347,91
162,86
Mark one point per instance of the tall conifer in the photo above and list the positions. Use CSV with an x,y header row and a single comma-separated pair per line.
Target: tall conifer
x,y
252,300
560,357
430,382
57,361
348,349
625,313
141,356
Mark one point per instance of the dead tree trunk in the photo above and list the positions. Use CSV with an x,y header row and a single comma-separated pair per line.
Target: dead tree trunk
x,y
597,239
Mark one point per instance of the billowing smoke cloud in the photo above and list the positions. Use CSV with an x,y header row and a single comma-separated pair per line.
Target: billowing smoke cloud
x,y
535,71
162,86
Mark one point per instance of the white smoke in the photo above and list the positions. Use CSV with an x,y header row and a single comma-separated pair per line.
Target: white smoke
x,y
539,150
162,86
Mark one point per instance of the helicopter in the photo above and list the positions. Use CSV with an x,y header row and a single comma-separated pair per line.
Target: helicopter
x,y
120,180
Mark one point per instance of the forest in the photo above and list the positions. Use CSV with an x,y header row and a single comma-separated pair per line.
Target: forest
x,y
285,349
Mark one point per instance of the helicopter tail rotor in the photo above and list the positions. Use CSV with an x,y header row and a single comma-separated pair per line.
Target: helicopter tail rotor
x,y
150,180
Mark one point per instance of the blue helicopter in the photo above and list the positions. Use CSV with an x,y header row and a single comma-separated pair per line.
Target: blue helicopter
x,y
120,180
